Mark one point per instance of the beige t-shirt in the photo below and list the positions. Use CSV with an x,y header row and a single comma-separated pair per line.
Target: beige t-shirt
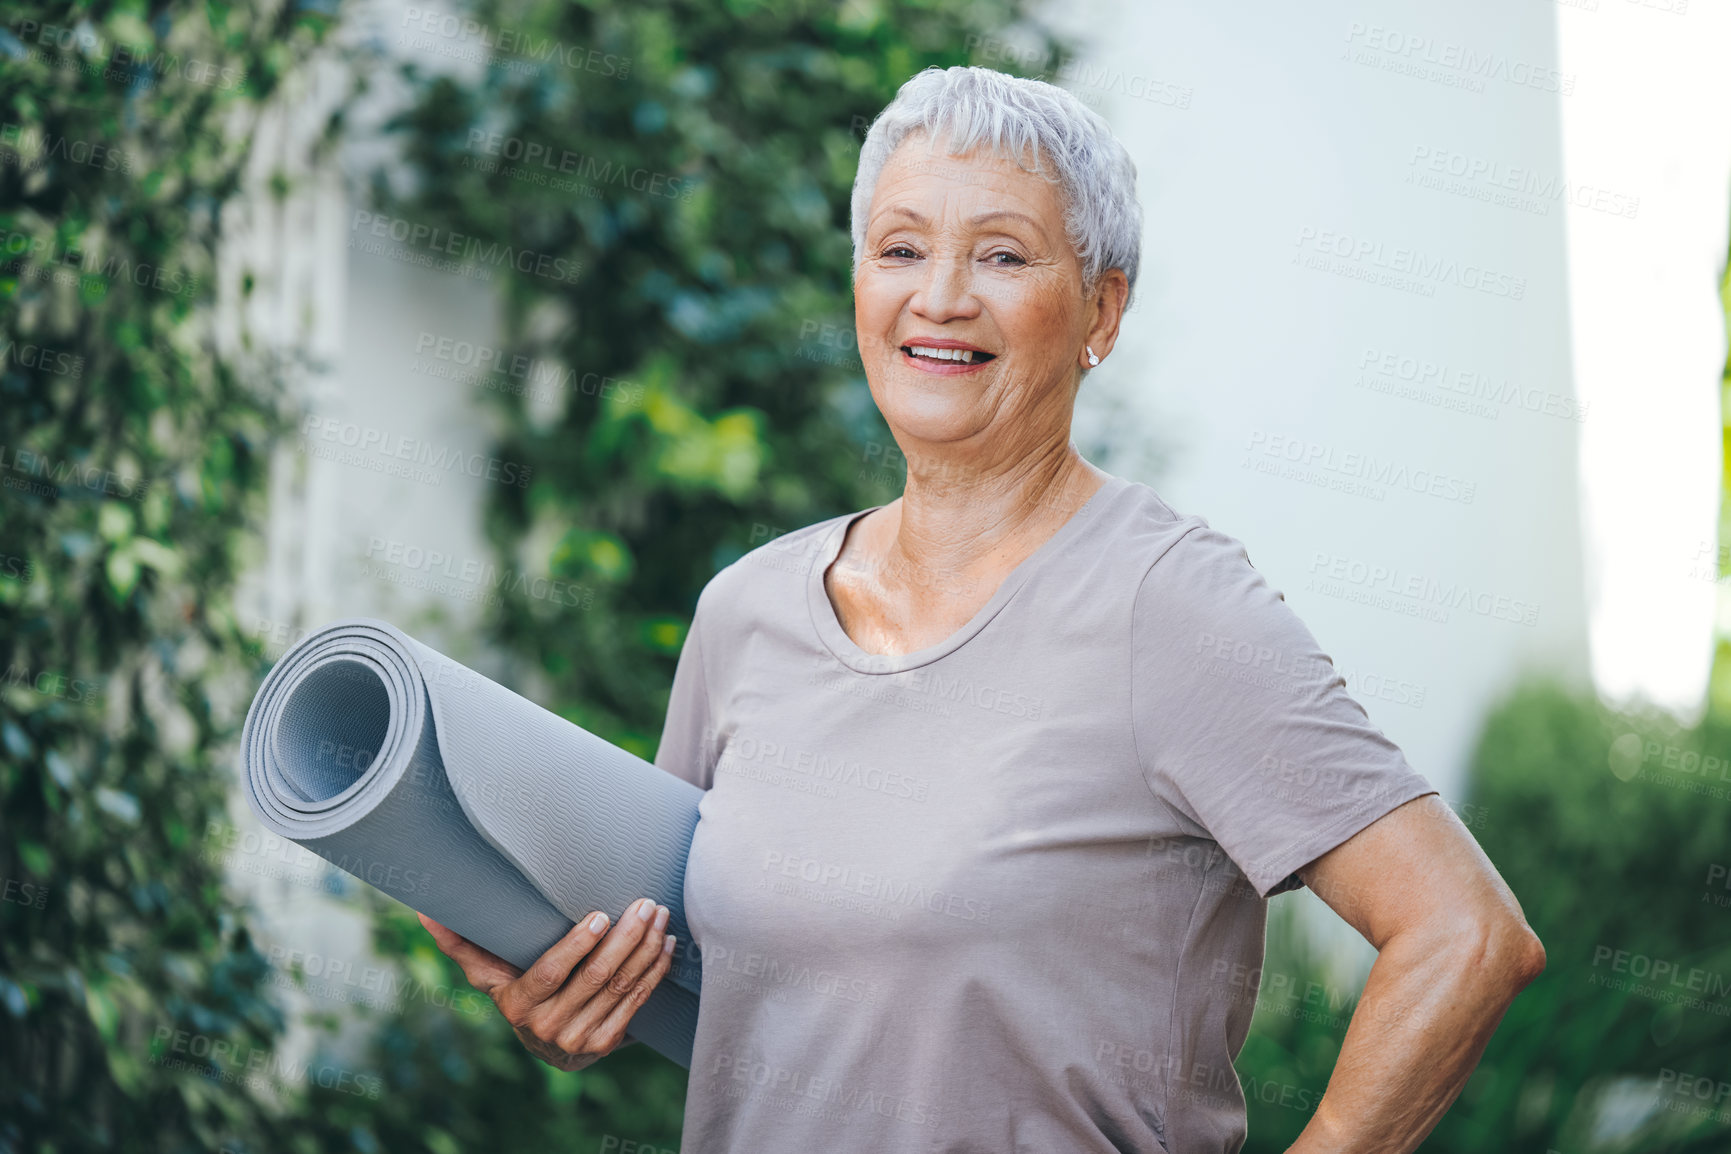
x,y
1008,892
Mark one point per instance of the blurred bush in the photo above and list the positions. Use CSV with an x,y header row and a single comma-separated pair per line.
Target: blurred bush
x,y
1611,829
131,455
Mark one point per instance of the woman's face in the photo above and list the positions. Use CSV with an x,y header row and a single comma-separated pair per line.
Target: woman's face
x,y
969,252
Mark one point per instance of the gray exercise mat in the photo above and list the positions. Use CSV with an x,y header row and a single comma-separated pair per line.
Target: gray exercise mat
x,y
469,803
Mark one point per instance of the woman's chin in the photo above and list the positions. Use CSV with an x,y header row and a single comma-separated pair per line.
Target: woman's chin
x,y
926,415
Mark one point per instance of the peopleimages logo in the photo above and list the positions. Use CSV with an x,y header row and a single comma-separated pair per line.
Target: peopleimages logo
x,y
752,1072
532,47
47,476
50,683
540,378
392,447
1663,979
54,260
1469,64
480,576
1361,258
1357,466
748,754
532,155
137,65
33,147
463,248
42,358
893,891
1382,370
222,1060
1416,594
1539,191
769,973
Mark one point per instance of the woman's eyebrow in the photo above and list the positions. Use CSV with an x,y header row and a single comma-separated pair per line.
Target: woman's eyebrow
x,y
904,210
1004,214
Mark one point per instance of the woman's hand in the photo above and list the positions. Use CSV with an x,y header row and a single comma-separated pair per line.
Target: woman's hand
x,y
566,1014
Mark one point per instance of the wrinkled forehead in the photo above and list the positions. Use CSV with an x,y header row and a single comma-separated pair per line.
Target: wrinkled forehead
x,y
923,167
944,152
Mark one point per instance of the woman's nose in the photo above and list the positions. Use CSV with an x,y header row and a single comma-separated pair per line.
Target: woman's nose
x,y
948,292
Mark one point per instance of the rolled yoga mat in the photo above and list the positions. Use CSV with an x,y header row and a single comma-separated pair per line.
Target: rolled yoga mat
x,y
469,803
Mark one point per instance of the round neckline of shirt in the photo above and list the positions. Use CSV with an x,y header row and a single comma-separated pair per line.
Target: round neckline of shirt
x,y
828,625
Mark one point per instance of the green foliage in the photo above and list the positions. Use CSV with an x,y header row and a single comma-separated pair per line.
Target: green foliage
x,y
694,159
131,456
460,1081
1607,827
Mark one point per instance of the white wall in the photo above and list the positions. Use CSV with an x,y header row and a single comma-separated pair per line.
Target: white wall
x,y
1649,333
344,536
1270,138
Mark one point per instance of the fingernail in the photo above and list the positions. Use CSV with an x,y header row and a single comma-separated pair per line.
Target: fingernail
x,y
597,923
646,910
660,917
667,943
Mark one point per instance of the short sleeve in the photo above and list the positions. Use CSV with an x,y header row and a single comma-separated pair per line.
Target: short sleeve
x,y
688,734
1242,724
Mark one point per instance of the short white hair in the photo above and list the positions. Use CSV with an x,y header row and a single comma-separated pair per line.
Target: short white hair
x,y
1019,118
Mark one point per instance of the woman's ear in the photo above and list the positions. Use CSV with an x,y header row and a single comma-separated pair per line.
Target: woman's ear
x,y
1106,305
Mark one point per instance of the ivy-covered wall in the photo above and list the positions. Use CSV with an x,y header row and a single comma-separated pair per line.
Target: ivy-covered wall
x,y
130,456
689,188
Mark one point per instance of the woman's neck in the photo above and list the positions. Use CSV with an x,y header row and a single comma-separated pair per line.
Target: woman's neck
x,y
913,572
981,521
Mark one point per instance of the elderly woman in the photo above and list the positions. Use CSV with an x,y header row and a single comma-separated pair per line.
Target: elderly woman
x,y
1000,775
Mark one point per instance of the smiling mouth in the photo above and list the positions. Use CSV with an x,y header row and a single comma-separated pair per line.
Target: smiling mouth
x,y
947,356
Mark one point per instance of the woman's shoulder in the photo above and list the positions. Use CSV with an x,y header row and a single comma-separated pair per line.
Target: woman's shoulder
x,y
1180,552
1149,531
1197,584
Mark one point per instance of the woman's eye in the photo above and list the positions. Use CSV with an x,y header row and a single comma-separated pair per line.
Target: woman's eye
x,y
1012,259
900,252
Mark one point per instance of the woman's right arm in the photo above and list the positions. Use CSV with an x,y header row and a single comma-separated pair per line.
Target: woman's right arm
x,y
571,1007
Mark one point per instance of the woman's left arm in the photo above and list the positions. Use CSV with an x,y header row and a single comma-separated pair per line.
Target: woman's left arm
x,y
1453,950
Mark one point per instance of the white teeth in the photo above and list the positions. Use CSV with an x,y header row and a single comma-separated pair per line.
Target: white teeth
x,y
966,356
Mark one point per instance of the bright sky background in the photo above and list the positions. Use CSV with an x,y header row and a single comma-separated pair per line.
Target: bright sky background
x,y
1650,117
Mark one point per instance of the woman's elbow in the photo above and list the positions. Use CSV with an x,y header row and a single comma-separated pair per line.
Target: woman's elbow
x,y
1507,953
1530,962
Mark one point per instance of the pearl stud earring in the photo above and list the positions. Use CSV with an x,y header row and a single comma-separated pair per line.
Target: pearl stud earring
x,y
1092,359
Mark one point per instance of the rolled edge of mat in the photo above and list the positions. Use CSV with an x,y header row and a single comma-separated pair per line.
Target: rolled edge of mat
x,y
351,810
382,810
367,755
